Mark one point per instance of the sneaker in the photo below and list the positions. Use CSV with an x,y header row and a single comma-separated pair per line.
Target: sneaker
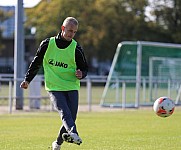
x,y
72,138
55,146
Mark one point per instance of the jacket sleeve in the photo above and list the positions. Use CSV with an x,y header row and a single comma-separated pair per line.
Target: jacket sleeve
x,y
81,61
36,63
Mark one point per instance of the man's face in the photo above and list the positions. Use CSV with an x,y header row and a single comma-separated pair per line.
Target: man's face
x,y
69,31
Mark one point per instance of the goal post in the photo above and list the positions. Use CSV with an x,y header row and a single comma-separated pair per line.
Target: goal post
x,y
128,82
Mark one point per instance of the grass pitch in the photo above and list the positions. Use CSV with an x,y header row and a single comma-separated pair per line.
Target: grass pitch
x,y
120,130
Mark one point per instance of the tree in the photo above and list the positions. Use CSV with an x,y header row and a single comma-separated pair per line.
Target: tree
x,y
45,18
168,16
103,23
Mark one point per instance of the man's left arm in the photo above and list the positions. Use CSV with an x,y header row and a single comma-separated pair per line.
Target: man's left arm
x,y
81,62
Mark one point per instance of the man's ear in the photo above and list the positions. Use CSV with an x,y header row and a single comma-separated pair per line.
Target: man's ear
x,y
62,28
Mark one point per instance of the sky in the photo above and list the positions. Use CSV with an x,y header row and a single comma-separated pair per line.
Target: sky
x,y
27,3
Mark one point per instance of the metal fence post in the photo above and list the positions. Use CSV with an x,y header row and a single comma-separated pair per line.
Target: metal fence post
x,y
123,95
117,90
144,90
10,96
89,93
138,73
169,88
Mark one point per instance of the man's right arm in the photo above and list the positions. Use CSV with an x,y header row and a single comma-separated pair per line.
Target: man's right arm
x,y
37,61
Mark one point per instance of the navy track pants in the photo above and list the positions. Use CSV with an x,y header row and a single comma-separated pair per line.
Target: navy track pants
x,y
66,103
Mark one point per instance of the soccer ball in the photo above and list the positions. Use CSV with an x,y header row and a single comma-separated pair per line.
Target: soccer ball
x,y
164,107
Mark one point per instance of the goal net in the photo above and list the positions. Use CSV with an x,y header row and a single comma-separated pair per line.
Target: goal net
x,y
141,72
164,68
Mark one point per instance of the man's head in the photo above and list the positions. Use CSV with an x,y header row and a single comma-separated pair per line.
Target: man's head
x,y
69,28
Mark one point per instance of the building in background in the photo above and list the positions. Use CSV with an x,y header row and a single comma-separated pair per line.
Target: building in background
x,y
7,52
7,26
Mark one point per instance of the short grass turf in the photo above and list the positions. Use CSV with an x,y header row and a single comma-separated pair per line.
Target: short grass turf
x,y
120,130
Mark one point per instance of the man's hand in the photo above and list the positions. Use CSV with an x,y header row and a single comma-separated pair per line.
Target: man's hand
x,y
24,85
78,74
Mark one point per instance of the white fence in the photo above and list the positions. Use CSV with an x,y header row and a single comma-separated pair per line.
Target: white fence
x,y
90,82
34,94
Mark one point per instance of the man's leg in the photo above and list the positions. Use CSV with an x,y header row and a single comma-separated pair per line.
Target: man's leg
x,y
66,104
59,138
59,99
72,102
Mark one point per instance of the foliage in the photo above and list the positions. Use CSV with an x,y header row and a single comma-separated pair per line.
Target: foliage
x,y
45,18
103,23
168,17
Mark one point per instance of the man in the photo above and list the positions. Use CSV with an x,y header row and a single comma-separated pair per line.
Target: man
x,y
64,65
